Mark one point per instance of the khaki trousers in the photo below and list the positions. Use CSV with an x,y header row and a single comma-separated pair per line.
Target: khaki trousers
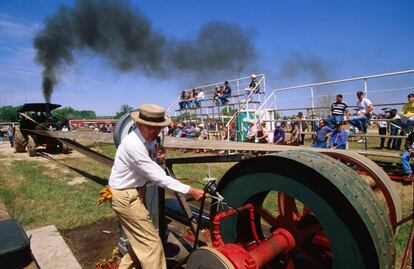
x,y
129,205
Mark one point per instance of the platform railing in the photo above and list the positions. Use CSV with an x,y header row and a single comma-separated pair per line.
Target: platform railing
x,y
270,101
209,90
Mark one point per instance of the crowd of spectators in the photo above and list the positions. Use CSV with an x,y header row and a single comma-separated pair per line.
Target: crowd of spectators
x,y
191,99
220,94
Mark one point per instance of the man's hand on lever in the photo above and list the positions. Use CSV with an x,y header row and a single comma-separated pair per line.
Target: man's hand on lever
x,y
196,193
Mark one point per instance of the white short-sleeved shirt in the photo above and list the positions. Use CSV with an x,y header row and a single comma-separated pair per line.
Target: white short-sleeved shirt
x,y
363,105
134,167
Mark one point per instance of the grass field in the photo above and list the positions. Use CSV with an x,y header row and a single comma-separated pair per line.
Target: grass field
x,y
37,193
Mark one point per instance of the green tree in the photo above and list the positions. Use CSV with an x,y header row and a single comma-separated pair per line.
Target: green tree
x,y
8,113
65,113
123,110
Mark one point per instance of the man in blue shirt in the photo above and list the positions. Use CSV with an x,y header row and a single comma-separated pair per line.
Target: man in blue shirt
x,y
322,133
339,137
226,93
279,135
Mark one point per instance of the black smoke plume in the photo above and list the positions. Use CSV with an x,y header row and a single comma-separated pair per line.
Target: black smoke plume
x,y
122,35
300,63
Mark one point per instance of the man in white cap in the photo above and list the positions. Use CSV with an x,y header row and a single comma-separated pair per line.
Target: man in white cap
x,y
252,86
133,168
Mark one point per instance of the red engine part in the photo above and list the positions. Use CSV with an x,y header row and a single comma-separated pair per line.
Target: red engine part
x,y
258,253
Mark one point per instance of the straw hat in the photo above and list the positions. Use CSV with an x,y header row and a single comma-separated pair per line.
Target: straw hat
x,y
151,115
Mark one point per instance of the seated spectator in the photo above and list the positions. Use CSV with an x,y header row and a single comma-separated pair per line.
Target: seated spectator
x,y
193,97
322,133
216,96
279,135
251,133
252,86
407,114
183,100
364,109
199,98
262,134
395,129
226,93
203,132
339,137
408,155
177,131
338,113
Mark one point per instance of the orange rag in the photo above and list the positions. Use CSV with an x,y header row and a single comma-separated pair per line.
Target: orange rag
x,y
105,194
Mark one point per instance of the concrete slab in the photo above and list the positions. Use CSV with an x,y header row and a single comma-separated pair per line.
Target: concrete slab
x,y
50,250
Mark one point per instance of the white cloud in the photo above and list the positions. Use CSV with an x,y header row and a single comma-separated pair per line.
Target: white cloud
x,y
16,29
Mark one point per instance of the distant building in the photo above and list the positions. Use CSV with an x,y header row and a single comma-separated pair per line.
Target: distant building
x,y
91,123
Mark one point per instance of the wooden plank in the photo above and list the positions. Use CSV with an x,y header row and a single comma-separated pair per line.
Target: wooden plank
x,y
217,145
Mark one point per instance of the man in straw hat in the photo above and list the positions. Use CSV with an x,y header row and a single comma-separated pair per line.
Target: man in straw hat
x,y
133,168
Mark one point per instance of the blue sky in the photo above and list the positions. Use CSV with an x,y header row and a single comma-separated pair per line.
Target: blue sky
x,y
347,38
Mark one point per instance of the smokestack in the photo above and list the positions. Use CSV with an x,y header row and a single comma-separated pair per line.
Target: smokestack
x,y
115,31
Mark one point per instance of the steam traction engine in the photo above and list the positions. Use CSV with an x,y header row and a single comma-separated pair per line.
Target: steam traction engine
x,y
326,215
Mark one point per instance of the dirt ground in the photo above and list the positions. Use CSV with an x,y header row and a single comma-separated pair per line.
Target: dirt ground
x,y
93,242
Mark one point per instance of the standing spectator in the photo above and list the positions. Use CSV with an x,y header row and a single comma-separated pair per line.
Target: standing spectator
x,y
251,133
322,133
10,135
339,137
364,109
252,86
382,130
338,113
303,127
295,138
262,134
408,155
226,93
279,135
395,129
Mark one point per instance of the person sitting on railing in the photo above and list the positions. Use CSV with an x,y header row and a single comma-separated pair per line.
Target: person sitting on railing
x,y
262,134
407,113
193,98
216,96
199,98
408,155
364,109
395,129
226,93
339,111
183,100
339,137
251,133
252,86
279,135
322,133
